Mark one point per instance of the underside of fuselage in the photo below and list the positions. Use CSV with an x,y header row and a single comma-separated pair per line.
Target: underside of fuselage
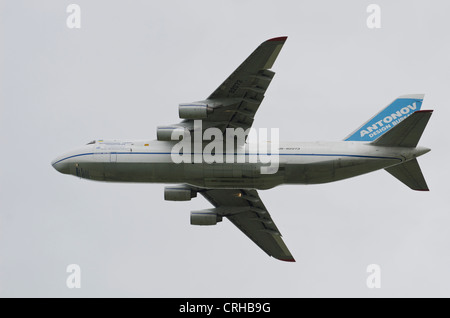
x,y
229,175
296,163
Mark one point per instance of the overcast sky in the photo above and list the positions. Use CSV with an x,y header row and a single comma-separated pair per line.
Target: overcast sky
x,y
125,71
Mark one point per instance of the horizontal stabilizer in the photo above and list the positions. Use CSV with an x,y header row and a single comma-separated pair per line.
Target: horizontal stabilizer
x,y
408,132
410,174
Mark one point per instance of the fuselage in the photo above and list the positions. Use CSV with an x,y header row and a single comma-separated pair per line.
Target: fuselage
x,y
296,163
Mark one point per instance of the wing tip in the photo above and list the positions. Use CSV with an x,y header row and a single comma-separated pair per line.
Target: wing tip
x,y
292,260
278,39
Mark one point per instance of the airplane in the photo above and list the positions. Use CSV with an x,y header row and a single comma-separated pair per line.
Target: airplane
x,y
388,140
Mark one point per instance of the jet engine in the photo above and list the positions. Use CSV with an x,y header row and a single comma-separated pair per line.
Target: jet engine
x,y
164,133
179,193
205,217
194,110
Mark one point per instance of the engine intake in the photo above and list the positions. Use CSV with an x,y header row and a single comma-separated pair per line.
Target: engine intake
x,y
205,217
179,193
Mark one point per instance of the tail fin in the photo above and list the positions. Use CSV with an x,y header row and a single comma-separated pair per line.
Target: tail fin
x,y
388,118
410,174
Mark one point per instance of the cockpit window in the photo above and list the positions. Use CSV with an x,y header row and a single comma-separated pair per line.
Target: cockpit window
x,y
91,143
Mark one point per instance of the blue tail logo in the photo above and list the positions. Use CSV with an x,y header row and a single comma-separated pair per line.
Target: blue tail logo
x,y
386,119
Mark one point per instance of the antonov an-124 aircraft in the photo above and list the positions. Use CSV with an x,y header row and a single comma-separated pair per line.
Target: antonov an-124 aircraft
x,y
386,141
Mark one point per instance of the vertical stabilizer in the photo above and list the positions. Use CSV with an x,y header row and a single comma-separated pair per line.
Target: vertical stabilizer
x,y
388,118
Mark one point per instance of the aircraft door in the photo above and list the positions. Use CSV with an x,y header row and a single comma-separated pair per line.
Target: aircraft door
x,y
113,157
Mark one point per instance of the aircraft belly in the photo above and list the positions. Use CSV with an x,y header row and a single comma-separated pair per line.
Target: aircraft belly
x,y
88,170
291,170
143,172
237,176
231,175
347,169
333,170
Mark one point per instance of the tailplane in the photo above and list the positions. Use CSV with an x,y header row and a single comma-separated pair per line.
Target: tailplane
x,y
410,174
406,134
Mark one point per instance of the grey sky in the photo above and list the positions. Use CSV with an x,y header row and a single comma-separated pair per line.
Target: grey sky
x,y
125,71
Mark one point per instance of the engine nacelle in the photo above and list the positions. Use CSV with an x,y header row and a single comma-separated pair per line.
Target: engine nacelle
x,y
178,193
194,110
205,217
164,133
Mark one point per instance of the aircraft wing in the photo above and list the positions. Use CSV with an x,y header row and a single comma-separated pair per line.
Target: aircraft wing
x,y
243,91
235,102
245,209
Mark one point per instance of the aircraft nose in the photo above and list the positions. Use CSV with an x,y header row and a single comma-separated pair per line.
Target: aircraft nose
x,y
61,165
